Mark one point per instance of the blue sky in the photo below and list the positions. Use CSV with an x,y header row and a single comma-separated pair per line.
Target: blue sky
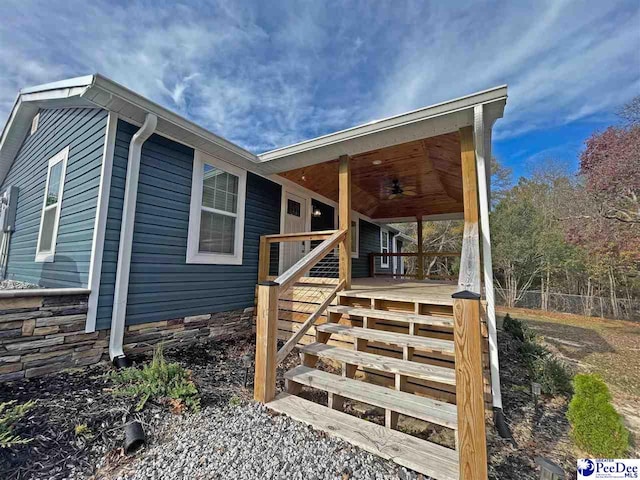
x,y
267,74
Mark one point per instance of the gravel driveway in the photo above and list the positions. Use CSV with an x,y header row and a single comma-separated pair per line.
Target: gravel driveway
x,y
248,442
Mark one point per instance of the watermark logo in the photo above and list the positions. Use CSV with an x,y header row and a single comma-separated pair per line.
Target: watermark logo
x,y
618,469
586,467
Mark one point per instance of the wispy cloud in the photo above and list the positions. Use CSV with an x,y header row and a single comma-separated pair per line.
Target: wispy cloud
x,y
266,75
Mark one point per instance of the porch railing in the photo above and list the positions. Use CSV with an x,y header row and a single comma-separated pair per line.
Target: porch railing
x,y
269,294
412,268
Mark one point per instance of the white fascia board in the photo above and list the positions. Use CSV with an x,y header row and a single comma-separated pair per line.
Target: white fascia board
x,y
68,83
105,93
422,123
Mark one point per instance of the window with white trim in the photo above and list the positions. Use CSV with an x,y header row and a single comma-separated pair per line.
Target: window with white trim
x,y
384,247
216,217
50,217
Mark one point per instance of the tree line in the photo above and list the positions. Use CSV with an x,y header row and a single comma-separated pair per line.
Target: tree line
x,y
562,232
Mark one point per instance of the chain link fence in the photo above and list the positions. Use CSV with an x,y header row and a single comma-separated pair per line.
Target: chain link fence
x,y
591,306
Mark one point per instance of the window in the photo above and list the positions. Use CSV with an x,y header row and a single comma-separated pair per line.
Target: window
x,y
293,208
355,236
47,237
216,217
384,248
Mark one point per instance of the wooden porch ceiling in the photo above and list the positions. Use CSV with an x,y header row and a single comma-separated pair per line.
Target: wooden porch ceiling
x,y
430,166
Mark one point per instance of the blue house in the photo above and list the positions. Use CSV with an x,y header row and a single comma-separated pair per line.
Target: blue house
x,y
181,240
158,220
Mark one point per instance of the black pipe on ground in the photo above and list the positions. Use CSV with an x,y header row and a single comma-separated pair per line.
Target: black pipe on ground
x,y
500,422
133,437
122,362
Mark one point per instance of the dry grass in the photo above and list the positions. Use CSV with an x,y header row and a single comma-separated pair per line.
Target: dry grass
x,y
610,348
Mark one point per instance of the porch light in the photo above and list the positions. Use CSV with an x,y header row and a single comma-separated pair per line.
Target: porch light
x,y
377,162
316,212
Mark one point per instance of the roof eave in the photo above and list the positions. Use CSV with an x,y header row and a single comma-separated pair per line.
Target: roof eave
x,y
422,123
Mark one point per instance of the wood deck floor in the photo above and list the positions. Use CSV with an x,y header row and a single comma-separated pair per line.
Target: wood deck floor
x,y
402,290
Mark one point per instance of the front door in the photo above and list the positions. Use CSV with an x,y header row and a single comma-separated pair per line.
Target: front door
x,y
295,221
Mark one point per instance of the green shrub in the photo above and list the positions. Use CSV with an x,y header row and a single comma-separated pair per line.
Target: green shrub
x,y
532,352
10,414
514,326
596,426
552,375
159,380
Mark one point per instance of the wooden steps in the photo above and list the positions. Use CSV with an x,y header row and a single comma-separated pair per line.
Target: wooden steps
x,y
400,295
411,452
393,316
385,364
389,338
426,409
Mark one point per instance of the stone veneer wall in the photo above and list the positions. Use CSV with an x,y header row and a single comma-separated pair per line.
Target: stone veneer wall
x,y
44,333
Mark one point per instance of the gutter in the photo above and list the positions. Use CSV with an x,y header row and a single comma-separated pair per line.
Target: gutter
x,y
126,238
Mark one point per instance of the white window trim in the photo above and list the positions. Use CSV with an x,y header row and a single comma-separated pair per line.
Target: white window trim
x,y
356,218
384,261
193,238
49,257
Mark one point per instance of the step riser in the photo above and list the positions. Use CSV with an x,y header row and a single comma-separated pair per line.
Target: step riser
x,y
445,323
382,364
389,338
401,402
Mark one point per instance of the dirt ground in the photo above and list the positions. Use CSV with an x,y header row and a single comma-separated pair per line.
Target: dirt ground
x,y
610,348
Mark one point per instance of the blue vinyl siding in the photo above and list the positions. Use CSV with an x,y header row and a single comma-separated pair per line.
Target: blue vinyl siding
x,y
369,242
161,284
83,130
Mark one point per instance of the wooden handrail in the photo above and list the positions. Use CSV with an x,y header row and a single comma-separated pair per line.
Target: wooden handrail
x,y
306,263
293,341
469,277
415,254
299,237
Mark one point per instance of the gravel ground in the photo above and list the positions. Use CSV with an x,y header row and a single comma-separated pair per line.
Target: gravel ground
x,y
234,438
16,285
246,441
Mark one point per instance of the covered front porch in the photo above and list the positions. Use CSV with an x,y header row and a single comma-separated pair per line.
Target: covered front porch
x,y
344,295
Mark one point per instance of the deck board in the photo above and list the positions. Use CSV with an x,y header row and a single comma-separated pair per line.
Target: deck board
x,y
420,455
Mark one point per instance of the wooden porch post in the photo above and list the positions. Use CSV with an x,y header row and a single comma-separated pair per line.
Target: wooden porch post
x,y
472,440
344,182
264,385
420,251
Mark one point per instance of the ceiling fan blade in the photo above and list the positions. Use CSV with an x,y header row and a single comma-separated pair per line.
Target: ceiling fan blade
x,y
410,193
392,196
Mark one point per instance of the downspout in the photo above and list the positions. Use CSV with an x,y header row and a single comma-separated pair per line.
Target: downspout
x,y
482,134
126,240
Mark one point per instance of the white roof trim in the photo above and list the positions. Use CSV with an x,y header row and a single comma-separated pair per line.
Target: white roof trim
x,y
98,91
463,104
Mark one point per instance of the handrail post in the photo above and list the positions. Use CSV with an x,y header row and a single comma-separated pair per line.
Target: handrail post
x,y
420,259
264,389
372,265
264,259
472,443
344,217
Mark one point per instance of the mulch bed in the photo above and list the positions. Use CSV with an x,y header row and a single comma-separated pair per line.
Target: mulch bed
x,y
66,400
540,429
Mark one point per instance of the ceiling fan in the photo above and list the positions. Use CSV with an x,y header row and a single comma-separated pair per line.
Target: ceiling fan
x,y
397,191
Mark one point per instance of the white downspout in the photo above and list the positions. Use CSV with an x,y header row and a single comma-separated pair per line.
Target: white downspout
x,y
482,134
126,236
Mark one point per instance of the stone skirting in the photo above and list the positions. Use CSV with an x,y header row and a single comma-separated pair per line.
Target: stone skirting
x,y
41,334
